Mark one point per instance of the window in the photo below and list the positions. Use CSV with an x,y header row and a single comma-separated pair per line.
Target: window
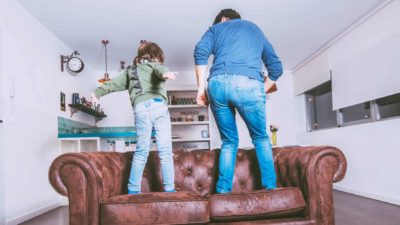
x,y
321,116
388,107
319,108
355,114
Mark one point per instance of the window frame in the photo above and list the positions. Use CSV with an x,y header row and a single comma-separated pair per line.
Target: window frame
x,y
311,113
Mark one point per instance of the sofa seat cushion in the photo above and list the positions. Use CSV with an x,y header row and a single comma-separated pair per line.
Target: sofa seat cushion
x,y
281,202
155,208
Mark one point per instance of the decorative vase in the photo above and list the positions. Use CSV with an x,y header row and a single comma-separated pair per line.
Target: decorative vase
x,y
274,138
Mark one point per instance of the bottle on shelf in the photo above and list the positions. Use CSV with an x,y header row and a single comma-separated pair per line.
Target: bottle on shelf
x,y
173,102
83,100
75,98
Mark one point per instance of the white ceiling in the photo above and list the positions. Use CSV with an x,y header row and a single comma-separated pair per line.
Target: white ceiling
x,y
296,28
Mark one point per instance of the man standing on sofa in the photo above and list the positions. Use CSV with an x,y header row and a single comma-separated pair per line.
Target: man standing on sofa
x,y
236,82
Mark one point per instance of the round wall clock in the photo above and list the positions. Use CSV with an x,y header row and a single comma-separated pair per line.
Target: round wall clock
x,y
75,64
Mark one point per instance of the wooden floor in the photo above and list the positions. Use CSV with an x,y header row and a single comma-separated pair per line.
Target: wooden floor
x,y
349,210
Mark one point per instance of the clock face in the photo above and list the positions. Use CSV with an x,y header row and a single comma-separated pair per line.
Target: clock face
x,y
75,64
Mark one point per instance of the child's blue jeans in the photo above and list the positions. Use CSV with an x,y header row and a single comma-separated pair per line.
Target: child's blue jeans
x,y
149,114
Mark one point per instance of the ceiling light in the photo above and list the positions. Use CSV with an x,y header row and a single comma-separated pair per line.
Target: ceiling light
x,y
106,76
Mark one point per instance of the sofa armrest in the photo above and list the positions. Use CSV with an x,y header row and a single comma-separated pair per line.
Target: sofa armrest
x,y
87,179
313,169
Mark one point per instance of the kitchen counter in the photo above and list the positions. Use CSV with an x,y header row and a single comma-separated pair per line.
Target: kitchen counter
x,y
100,135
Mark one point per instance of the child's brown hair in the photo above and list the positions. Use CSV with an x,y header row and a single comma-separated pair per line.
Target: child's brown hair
x,y
149,51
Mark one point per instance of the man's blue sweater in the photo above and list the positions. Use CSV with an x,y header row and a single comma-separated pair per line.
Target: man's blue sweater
x,y
239,47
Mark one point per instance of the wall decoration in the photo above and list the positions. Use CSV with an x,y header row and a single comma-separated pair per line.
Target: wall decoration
x,y
74,63
62,101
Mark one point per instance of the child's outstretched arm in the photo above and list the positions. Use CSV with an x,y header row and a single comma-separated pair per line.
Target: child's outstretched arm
x,y
116,84
169,75
163,72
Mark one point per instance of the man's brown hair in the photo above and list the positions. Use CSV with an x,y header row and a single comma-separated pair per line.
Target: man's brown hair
x,y
149,51
228,13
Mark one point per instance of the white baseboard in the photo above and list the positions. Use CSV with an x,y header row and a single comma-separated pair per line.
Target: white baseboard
x,y
33,214
367,195
64,201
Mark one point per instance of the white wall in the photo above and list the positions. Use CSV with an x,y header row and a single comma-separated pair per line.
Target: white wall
x,y
31,70
372,154
280,110
2,217
371,149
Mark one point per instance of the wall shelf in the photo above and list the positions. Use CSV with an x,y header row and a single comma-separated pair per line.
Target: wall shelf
x,y
190,123
190,139
83,108
188,131
185,106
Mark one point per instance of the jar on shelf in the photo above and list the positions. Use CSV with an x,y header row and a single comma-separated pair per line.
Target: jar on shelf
x,y
183,116
202,117
189,116
204,133
195,116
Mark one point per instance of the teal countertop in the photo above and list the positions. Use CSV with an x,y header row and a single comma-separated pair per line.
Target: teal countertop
x,y
100,135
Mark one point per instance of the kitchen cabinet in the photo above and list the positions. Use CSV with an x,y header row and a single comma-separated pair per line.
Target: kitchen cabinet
x,y
89,142
79,144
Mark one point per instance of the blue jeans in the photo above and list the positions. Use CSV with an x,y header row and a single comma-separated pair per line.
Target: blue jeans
x,y
149,114
228,93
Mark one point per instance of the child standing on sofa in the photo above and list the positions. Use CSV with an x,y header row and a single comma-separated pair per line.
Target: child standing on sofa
x,y
145,82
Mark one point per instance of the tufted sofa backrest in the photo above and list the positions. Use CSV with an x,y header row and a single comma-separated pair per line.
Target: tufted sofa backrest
x,y
198,171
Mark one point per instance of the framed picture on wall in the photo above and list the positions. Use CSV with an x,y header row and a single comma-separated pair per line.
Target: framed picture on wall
x,y
62,101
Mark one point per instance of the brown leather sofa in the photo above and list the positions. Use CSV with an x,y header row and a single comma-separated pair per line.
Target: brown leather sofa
x,y
96,185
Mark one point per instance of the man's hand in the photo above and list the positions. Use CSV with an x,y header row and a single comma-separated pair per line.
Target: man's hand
x,y
268,84
169,75
201,98
94,99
